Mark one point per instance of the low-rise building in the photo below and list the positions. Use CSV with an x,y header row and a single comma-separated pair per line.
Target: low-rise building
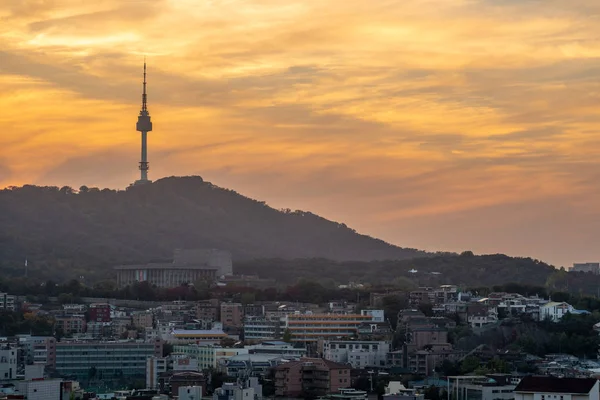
x,y
312,327
555,310
8,363
489,387
208,356
311,377
142,319
552,388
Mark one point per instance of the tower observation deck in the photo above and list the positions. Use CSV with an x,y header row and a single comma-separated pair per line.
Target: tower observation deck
x,y
144,125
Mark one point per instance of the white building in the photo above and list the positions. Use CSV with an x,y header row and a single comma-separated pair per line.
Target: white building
x,y
262,328
360,354
8,363
154,367
377,315
249,390
7,302
50,389
190,393
555,310
551,388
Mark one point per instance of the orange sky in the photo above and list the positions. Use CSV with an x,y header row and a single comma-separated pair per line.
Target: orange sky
x,y
436,124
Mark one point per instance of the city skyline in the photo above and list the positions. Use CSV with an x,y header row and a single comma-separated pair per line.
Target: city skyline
x,y
454,125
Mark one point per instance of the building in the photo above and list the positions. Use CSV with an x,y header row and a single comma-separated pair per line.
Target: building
x,y
489,387
262,328
277,347
249,389
7,302
189,393
552,388
232,315
46,389
207,310
38,349
376,315
208,356
71,324
245,365
188,266
100,312
591,267
359,354
8,363
555,310
154,367
142,319
111,360
311,377
197,336
311,327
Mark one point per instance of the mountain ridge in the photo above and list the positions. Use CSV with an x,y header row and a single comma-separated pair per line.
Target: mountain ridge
x,y
64,231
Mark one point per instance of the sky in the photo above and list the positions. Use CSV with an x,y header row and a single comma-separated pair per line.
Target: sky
x,y
435,124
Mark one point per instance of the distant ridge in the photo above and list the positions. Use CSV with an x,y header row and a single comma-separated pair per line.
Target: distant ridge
x,y
66,232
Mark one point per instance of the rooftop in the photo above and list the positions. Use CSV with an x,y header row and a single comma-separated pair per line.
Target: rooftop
x,y
550,384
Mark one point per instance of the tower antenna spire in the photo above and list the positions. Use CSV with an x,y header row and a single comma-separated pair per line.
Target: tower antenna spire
x,y
144,125
144,98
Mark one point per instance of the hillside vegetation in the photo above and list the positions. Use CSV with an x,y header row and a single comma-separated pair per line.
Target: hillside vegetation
x,y
66,233
467,270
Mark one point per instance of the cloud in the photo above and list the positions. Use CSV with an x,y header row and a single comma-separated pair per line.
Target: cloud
x,y
410,120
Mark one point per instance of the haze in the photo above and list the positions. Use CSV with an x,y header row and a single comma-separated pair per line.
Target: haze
x,y
440,125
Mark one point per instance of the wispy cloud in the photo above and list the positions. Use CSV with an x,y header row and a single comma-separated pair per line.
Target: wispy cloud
x,y
426,122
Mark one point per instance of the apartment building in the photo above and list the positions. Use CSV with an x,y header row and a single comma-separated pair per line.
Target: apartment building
x,y
262,328
311,327
208,356
8,363
7,302
311,377
232,315
100,312
359,354
71,323
142,319
38,349
125,359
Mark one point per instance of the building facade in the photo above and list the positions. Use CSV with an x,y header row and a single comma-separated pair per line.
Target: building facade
x,y
110,359
552,388
311,377
359,354
7,302
188,266
232,314
8,363
312,327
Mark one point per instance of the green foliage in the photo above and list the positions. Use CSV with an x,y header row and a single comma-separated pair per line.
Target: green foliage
x,y
67,234
287,336
469,364
12,323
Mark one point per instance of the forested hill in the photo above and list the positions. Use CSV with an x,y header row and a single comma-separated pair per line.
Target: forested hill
x,y
467,270
65,232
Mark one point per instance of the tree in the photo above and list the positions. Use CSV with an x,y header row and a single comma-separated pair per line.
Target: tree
x,y
469,364
287,336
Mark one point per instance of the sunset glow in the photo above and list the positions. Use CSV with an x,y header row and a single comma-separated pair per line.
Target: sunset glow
x,y
435,124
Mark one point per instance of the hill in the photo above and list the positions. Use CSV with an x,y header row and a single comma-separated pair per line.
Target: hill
x,y
65,233
467,270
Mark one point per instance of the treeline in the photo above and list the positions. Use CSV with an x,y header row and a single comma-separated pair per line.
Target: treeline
x,y
466,270
304,291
